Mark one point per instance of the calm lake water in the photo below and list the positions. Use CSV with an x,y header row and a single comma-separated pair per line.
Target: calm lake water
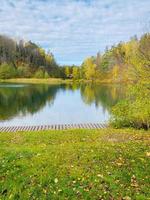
x,y
26,104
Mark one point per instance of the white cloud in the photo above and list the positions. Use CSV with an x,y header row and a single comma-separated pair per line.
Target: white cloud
x,y
74,29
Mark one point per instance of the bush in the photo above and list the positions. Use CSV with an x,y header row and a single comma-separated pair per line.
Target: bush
x,y
39,74
7,71
135,110
23,72
46,75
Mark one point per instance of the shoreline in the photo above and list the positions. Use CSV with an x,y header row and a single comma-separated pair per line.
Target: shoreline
x,y
60,81
36,81
53,127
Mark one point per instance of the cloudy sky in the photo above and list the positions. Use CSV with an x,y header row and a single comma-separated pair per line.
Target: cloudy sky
x,y
74,29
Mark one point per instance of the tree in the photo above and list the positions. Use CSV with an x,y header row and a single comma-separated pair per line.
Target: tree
x,y
75,73
24,72
28,54
7,50
89,68
39,74
46,75
7,71
67,72
134,111
115,72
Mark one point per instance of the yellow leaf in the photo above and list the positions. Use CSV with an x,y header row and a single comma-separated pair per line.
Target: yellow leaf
x,y
148,154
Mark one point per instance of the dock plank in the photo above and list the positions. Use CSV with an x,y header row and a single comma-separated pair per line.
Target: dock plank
x,y
54,127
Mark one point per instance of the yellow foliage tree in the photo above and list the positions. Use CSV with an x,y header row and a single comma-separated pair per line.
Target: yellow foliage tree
x,y
75,73
89,68
115,72
42,52
67,72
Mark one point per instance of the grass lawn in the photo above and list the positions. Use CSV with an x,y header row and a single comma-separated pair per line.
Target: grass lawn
x,y
35,80
75,164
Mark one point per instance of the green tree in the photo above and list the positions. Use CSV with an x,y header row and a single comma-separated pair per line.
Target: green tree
x,y
39,74
28,54
7,71
46,75
24,72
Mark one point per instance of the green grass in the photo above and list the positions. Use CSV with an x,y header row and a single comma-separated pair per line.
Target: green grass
x,y
75,164
35,80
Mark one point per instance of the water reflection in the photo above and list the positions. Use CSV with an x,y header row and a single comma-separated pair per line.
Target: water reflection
x,y
21,100
102,95
29,99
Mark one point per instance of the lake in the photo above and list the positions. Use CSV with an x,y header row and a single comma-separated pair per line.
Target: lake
x,y
27,104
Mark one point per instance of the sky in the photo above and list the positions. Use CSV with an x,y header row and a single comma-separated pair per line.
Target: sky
x,y
74,29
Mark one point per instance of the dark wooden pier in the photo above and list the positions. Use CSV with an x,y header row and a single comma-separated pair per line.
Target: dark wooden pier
x,y
53,127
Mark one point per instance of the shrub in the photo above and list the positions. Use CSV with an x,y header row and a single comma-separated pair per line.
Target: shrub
x,y
39,74
23,71
46,75
135,110
7,71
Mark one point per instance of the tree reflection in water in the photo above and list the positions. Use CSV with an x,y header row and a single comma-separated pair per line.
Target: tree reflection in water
x,y
23,99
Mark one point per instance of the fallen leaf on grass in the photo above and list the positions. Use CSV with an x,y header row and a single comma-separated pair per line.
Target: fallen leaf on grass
x,y
134,182
126,198
56,180
148,154
119,164
100,175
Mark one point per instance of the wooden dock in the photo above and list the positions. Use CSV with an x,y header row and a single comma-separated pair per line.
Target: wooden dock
x,y
52,127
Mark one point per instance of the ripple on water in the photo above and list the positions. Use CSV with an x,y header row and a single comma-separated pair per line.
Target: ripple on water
x,y
12,85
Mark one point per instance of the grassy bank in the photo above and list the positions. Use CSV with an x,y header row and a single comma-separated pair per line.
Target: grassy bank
x,y
78,164
35,81
58,81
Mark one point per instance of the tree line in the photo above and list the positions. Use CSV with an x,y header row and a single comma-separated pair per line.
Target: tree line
x,y
26,59
127,61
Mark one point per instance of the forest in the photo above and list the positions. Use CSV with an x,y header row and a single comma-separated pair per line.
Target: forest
x,y
20,59
125,62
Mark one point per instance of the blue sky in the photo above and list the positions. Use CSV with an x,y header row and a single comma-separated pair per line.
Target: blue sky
x,y
74,29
